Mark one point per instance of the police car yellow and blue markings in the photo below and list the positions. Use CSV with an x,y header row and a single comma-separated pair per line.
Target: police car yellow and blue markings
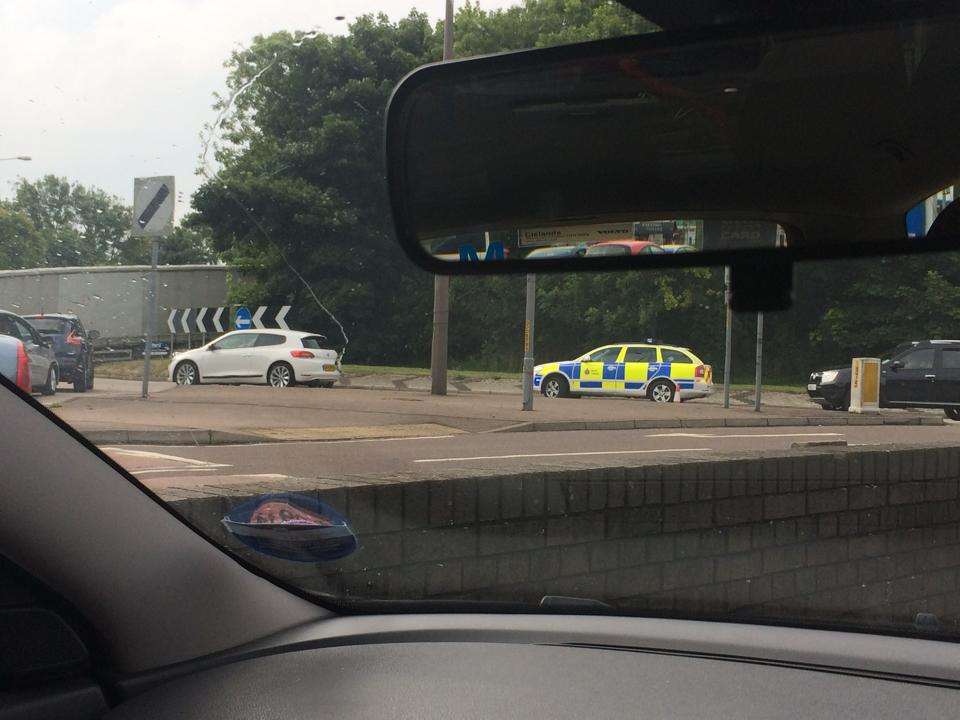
x,y
633,376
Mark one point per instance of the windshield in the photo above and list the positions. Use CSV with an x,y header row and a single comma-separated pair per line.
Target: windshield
x,y
206,196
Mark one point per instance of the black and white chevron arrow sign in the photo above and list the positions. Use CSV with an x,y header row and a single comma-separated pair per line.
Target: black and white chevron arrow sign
x,y
218,319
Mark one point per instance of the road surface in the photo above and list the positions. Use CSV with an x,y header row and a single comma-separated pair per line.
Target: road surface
x,y
182,466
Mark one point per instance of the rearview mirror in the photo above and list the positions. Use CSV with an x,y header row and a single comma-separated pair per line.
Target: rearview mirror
x,y
896,365
805,144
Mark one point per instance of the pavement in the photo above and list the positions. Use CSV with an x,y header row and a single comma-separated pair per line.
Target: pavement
x,y
210,414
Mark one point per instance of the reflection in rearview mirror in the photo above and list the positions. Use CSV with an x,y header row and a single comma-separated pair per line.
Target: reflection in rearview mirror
x,y
642,237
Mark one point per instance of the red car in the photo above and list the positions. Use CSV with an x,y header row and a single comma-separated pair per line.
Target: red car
x,y
623,247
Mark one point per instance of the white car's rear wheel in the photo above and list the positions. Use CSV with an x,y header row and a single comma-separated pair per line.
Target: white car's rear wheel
x,y
280,375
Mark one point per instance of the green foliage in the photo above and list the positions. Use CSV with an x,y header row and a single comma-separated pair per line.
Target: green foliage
x,y
52,222
80,225
21,246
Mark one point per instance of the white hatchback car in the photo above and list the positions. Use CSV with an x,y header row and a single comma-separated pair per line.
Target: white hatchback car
x,y
275,357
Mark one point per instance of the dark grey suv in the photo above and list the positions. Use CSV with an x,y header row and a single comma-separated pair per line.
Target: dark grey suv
x,y
44,371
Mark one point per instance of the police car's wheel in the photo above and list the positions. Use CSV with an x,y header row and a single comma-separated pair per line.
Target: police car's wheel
x,y
555,386
661,391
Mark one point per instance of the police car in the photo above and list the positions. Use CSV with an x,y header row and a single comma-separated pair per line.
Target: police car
x,y
657,372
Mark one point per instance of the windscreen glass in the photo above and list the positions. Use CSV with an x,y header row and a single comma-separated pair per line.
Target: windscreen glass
x,y
199,188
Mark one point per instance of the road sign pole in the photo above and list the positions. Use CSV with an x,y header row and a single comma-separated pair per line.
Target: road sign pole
x,y
528,328
441,283
151,316
756,401
728,340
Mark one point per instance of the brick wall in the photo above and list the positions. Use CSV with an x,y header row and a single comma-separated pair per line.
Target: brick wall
x,y
807,535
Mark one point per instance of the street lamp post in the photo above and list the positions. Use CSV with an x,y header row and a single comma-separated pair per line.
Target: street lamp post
x,y
441,283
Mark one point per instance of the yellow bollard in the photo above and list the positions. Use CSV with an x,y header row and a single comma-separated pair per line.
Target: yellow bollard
x,y
865,385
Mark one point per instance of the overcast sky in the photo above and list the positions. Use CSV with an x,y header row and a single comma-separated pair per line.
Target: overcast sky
x,y
101,91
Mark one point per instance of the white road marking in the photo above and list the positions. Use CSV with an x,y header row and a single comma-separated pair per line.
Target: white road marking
x,y
321,442
743,435
162,456
179,470
562,454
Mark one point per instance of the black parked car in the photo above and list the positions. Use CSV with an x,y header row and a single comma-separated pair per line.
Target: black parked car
x,y
44,370
921,374
72,344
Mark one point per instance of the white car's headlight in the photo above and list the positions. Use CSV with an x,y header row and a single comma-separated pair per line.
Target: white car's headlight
x,y
829,376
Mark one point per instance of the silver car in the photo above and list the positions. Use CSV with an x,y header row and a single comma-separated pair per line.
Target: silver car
x,y
44,372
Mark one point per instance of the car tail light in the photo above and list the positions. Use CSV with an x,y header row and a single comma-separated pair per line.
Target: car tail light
x,y
700,371
23,369
302,354
74,339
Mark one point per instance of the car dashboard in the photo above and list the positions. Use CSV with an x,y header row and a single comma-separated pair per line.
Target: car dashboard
x,y
515,666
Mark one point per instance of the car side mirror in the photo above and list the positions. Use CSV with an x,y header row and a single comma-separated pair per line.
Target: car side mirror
x,y
896,365
212,348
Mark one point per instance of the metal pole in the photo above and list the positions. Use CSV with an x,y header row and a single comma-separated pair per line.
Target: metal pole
x,y
728,342
756,401
441,283
528,328
151,316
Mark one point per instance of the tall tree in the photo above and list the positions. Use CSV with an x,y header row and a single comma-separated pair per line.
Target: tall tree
x,y
21,246
81,225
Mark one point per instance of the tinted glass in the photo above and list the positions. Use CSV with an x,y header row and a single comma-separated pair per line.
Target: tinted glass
x,y
266,340
233,342
50,326
641,354
951,358
26,332
919,359
314,342
9,327
675,356
606,355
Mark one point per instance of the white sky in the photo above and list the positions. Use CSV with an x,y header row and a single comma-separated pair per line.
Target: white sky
x,y
100,91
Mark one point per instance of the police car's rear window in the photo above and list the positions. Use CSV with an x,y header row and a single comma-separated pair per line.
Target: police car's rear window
x,y
641,354
675,356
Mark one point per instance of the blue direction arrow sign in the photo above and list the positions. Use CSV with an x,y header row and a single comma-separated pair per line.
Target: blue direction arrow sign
x,y
243,319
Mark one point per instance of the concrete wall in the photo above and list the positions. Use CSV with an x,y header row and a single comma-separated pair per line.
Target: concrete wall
x,y
112,300
804,536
